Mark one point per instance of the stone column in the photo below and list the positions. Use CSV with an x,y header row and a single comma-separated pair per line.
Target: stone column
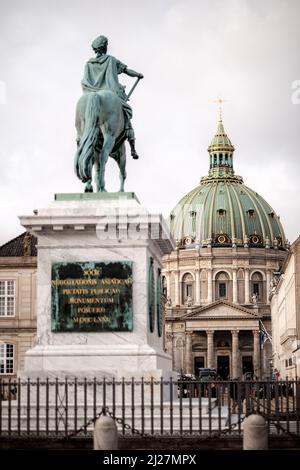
x,y
247,286
268,287
263,362
188,352
177,293
210,348
235,354
234,287
209,286
170,347
168,279
197,287
256,353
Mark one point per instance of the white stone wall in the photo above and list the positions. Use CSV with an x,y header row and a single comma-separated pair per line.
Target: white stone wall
x,y
204,265
284,311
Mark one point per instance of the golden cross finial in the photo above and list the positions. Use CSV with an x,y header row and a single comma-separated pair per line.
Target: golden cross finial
x,y
220,101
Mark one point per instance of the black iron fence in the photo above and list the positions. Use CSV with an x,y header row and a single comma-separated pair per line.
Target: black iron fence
x,y
69,407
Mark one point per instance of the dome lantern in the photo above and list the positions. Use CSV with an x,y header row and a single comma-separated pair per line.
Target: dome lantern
x,y
221,154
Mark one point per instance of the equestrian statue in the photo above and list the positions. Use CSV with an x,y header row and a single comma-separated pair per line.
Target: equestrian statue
x,y
103,118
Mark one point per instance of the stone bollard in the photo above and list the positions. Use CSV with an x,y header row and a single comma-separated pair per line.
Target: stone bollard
x,y
105,434
255,433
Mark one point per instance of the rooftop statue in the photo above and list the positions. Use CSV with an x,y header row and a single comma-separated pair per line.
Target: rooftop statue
x,y
189,301
254,298
103,118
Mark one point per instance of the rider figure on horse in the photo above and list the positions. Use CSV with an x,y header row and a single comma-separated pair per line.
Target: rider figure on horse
x,y
101,73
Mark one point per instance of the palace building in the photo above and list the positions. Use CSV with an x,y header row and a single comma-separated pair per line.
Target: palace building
x,y
285,308
217,282
18,265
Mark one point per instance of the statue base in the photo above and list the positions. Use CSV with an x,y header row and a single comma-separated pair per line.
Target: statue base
x,y
95,254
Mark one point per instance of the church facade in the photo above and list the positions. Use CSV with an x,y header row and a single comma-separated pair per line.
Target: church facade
x,y
217,281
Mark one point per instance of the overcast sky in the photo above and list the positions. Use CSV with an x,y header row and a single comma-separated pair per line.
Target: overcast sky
x,y
191,52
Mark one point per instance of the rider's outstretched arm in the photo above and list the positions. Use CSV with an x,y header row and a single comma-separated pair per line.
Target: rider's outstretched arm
x,y
132,73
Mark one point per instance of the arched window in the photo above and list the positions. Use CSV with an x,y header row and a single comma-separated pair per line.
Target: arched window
x,y
187,288
222,285
257,286
7,358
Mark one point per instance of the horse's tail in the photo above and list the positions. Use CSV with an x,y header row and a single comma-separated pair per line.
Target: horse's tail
x,y
85,152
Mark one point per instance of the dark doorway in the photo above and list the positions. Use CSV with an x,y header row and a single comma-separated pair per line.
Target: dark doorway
x,y
223,367
247,365
198,363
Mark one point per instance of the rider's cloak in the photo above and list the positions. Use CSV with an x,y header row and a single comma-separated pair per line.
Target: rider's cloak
x,y
101,73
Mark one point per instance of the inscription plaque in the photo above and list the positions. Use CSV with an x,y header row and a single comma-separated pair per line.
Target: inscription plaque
x,y
91,296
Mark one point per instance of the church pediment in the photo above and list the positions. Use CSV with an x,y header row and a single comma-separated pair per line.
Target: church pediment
x,y
221,309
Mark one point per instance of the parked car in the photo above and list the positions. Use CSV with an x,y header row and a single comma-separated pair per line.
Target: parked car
x,y
207,374
207,387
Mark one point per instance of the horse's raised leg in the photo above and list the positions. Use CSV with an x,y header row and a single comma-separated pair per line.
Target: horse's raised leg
x,y
108,144
122,166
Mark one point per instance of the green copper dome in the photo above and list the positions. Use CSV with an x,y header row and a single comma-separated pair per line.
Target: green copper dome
x,y
222,211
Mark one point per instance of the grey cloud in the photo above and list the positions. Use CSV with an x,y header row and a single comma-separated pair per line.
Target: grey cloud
x,y
191,52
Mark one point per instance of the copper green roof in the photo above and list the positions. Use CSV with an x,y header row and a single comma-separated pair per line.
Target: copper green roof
x,y
222,211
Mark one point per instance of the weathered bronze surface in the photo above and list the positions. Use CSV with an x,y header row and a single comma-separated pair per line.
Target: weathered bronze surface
x,y
92,296
103,118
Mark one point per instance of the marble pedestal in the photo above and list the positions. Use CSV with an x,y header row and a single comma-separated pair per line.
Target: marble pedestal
x,y
98,227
